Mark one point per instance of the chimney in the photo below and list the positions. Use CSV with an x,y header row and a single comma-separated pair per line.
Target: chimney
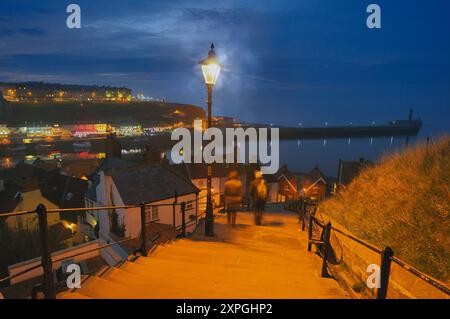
x,y
113,148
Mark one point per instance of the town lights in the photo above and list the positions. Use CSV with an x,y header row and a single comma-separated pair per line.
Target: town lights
x,y
211,70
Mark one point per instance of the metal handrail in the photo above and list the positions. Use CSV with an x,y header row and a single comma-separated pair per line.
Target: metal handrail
x,y
381,252
46,260
399,262
421,275
359,241
71,256
2,280
79,209
318,222
95,208
18,213
199,216
64,258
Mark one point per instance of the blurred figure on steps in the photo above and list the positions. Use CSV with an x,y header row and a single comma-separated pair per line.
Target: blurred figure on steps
x,y
233,196
258,193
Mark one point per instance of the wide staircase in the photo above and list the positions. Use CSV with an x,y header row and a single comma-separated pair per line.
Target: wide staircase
x,y
245,261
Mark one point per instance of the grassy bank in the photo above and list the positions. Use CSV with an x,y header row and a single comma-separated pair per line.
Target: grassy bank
x,y
403,202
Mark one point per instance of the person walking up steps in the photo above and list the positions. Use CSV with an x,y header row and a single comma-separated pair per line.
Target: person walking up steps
x,y
233,196
258,192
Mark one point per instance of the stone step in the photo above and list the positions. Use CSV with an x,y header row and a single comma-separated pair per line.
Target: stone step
x,y
244,246
72,295
222,253
263,263
242,262
256,286
219,273
249,250
101,288
195,269
247,244
97,287
202,284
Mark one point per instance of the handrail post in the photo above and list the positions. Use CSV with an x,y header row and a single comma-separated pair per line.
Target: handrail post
x,y
304,214
386,259
326,247
174,209
46,259
310,232
196,210
143,231
183,221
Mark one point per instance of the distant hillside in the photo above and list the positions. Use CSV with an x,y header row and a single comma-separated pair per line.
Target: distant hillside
x,y
59,86
404,202
18,114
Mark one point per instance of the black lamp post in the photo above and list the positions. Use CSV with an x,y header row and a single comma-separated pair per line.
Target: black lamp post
x,y
211,70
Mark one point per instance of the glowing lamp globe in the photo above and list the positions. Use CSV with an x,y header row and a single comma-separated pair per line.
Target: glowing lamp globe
x,y
210,67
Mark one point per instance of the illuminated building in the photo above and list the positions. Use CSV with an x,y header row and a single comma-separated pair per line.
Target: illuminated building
x,y
44,92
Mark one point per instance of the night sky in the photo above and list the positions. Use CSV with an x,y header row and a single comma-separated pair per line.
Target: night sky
x,y
285,62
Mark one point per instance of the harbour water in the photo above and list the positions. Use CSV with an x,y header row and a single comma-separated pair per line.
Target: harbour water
x,y
300,155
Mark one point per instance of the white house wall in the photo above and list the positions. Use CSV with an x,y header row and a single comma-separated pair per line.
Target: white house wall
x,y
104,189
133,215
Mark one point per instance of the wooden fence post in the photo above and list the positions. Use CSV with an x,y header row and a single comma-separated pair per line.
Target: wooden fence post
x,y
386,259
143,231
46,261
326,247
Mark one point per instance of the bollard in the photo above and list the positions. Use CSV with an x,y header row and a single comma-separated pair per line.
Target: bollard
x,y
326,247
386,259
46,261
183,221
143,231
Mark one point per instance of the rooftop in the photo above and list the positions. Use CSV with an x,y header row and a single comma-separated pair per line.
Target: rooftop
x,y
149,183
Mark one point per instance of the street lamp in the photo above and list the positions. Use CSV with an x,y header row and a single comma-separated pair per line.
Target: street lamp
x,y
211,70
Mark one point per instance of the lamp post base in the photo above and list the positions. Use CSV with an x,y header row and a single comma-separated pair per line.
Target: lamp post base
x,y
209,220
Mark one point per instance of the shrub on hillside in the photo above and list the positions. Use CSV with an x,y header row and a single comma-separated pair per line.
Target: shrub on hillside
x,y
403,202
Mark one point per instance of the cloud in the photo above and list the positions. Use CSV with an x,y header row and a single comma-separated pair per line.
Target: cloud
x,y
29,32
32,32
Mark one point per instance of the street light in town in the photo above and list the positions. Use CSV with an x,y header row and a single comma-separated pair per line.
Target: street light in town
x,y
211,70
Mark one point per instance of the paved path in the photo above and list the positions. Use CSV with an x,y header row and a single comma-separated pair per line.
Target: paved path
x,y
247,261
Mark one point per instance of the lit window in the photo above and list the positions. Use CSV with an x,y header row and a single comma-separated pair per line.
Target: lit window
x,y
151,213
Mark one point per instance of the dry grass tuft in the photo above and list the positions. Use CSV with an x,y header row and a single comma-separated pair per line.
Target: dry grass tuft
x,y
403,202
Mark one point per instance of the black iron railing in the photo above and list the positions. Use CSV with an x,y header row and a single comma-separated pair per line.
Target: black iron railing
x,y
307,215
48,286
